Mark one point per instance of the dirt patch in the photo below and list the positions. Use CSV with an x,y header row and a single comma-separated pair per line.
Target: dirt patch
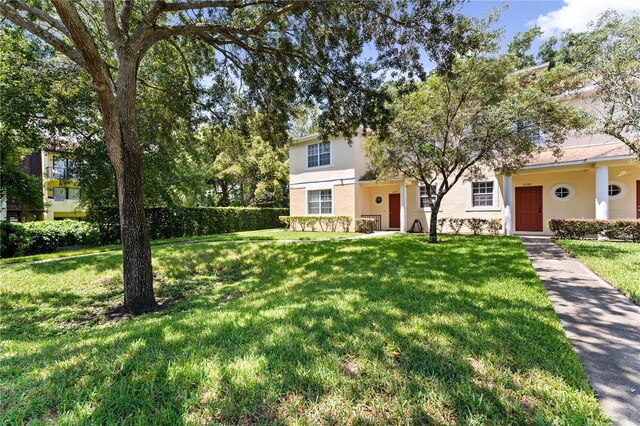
x,y
349,367
117,312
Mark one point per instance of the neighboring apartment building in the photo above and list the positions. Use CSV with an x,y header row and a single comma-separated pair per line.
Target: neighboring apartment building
x,y
596,177
60,189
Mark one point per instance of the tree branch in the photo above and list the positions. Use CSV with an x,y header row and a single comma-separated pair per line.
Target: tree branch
x,y
40,14
43,34
111,22
125,16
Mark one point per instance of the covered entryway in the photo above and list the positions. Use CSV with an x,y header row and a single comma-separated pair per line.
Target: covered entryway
x,y
529,208
394,211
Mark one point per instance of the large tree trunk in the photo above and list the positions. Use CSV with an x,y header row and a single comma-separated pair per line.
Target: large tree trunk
x,y
127,161
136,250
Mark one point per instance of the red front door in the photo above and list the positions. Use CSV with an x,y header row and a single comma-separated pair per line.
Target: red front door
x,y
394,210
529,208
638,199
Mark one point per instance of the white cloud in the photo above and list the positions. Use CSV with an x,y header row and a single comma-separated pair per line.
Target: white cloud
x,y
576,14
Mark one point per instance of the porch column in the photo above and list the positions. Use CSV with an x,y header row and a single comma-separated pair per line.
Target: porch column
x,y
403,207
602,192
507,189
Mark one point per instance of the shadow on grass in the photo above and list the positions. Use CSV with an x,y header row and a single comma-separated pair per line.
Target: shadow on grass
x,y
448,333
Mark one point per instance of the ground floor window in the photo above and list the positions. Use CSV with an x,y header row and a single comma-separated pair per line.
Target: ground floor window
x,y
424,197
320,201
482,194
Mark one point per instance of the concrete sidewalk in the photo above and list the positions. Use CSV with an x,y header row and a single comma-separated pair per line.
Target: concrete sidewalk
x,y
602,324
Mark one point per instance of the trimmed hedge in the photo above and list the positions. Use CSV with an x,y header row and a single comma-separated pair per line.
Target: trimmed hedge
x,y
23,239
475,224
579,229
103,227
309,223
190,221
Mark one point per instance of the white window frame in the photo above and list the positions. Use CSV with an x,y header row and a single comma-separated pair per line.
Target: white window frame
x,y
306,156
494,199
540,141
320,189
418,197
572,192
623,190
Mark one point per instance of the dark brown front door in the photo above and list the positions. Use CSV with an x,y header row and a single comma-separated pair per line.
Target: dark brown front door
x,y
394,210
638,199
529,208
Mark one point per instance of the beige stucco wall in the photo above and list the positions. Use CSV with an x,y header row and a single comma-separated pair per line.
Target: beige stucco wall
x,y
297,202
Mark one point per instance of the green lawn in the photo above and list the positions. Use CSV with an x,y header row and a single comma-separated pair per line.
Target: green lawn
x,y
617,263
372,331
265,234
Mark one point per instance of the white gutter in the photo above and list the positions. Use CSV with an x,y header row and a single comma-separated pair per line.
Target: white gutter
x,y
580,162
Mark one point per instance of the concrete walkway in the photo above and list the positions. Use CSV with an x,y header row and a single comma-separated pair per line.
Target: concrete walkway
x,y
602,324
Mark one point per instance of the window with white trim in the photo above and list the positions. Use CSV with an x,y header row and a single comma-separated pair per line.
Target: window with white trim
x,y
482,194
424,197
614,190
319,154
530,131
320,201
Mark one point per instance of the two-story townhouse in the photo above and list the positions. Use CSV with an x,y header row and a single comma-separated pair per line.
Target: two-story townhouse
x,y
595,177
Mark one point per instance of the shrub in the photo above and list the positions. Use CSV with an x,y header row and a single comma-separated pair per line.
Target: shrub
x,y
476,224
441,223
575,229
578,229
12,238
494,226
326,223
345,222
365,225
23,239
456,224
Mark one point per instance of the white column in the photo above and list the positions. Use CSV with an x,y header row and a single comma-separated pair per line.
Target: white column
x,y
507,189
602,192
403,207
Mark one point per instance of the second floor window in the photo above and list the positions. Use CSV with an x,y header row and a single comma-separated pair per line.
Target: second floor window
x,y
482,194
530,131
319,154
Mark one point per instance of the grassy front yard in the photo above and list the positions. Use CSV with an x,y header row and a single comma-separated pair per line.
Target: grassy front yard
x,y
383,330
617,263
264,234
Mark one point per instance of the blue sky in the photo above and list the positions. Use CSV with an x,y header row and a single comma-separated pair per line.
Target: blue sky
x,y
519,15
553,16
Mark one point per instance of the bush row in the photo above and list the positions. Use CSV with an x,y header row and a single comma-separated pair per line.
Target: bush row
x,y
324,223
103,227
23,239
474,224
190,221
579,229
